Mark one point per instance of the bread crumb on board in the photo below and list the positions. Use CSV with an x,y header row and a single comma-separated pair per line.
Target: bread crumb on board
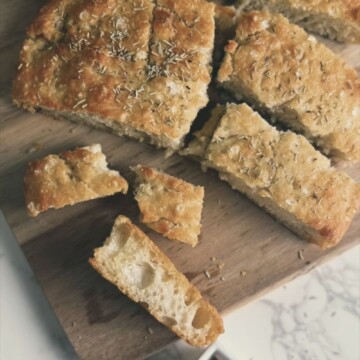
x,y
301,254
35,148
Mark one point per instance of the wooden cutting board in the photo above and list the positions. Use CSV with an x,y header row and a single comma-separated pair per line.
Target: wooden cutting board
x,y
253,253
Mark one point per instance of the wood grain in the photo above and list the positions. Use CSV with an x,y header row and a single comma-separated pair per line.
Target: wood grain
x,y
100,322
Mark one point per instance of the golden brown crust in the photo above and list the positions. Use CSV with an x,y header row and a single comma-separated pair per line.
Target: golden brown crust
x,y
68,178
283,173
128,246
168,205
337,19
138,67
297,80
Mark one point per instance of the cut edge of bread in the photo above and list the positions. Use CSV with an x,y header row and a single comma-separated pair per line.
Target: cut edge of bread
x,y
196,148
321,23
324,24
117,128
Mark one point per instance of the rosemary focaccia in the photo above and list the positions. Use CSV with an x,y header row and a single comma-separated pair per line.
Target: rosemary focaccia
x,y
140,68
139,269
337,19
284,174
168,205
281,70
68,178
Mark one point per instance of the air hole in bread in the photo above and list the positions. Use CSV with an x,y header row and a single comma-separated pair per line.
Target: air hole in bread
x,y
201,318
120,239
143,275
190,296
169,321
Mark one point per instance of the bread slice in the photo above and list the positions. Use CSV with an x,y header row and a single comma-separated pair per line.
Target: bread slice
x,y
196,148
140,68
168,205
68,178
280,69
138,268
336,19
285,175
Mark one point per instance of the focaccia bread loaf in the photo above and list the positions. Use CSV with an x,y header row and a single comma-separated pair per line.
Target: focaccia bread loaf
x,y
284,174
168,205
337,19
280,69
68,178
138,268
140,68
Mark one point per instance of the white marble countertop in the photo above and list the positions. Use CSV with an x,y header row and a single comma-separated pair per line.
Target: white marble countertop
x,y
315,317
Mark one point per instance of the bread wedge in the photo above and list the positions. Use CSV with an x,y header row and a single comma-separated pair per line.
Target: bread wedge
x,y
281,70
139,68
69,178
196,148
138,268
168,205
336,19
282,173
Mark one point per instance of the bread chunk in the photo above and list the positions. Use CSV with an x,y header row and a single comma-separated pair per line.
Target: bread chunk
x,y
138,268
280,69
140,68
336,19
68,178
168,205
284,174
